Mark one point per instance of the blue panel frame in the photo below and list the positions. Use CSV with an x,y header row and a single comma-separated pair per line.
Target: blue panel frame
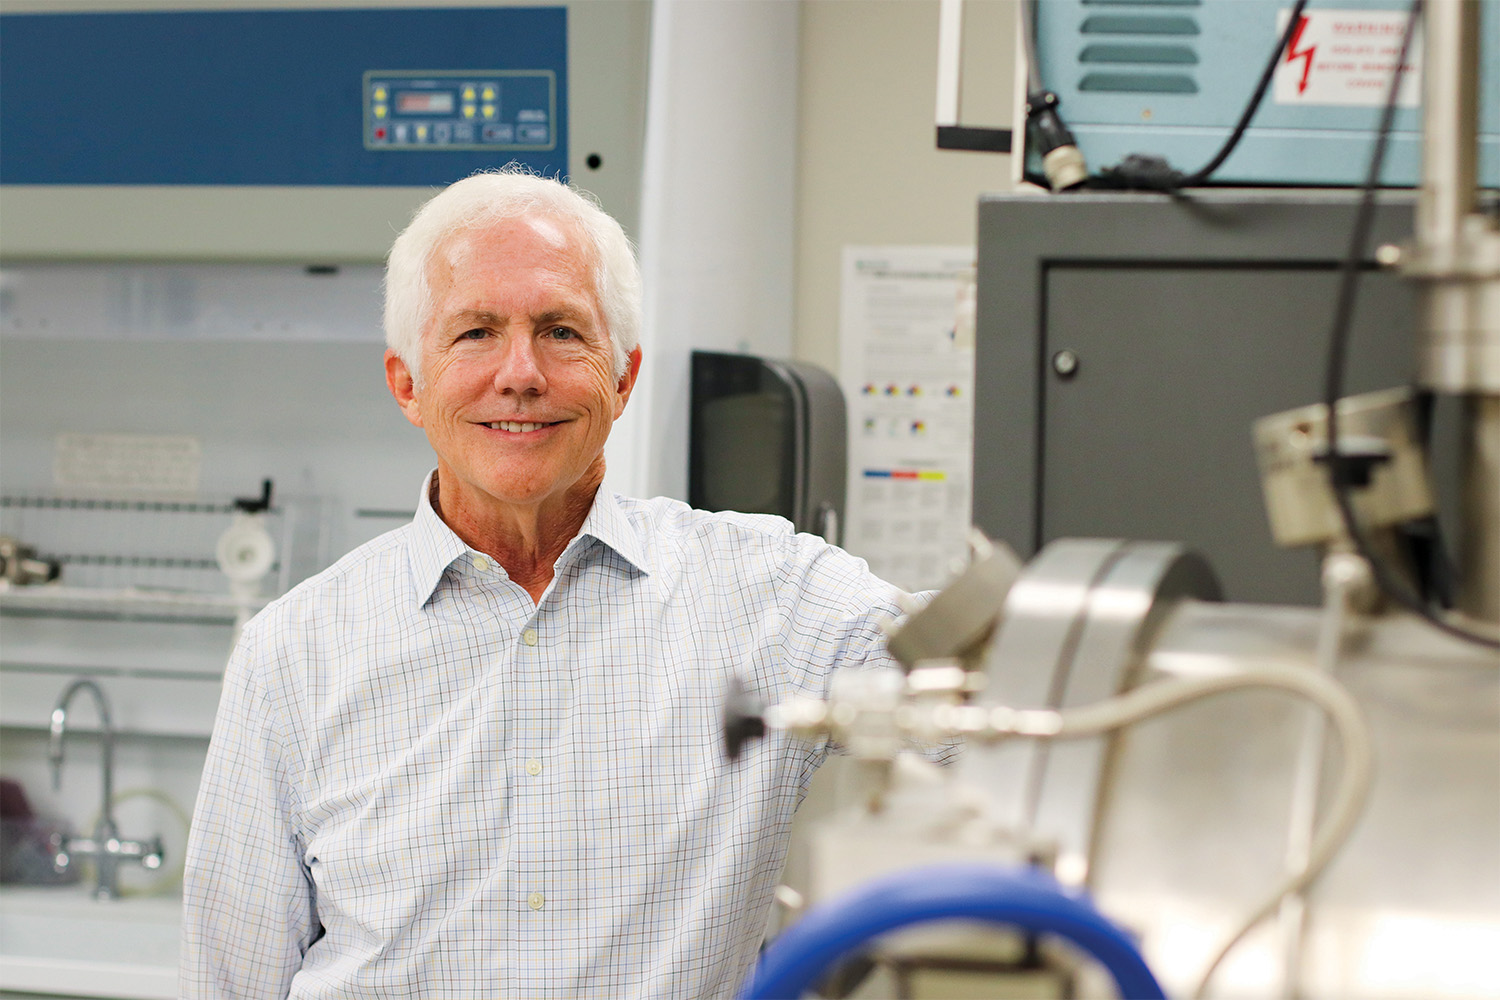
x,y
271,97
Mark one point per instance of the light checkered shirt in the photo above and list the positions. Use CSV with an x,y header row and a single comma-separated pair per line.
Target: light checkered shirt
x,y
422,785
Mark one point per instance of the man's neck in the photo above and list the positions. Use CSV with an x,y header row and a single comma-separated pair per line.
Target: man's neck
x,y
526,540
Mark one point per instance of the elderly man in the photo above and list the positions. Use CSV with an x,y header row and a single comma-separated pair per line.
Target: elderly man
x,y
480,756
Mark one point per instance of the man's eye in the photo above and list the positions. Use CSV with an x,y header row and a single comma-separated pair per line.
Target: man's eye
x,y
562,333
475,334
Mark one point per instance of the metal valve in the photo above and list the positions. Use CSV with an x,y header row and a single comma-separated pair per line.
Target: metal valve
x,y
20,564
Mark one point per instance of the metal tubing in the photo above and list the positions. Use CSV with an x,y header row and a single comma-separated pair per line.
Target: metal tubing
x,y
1450,113
106,740
105,844
1458,262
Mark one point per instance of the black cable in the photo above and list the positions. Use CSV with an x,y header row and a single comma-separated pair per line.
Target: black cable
x,y
1028,40
1062,163
1338,349
1202,174
1154,173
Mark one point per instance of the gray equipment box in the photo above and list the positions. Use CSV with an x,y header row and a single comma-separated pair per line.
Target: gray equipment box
x,y
1126,343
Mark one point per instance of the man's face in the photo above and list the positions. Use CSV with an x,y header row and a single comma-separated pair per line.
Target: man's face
x,y
518,392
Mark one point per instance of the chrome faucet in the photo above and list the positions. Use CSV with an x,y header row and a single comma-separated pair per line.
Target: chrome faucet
x,y
105,847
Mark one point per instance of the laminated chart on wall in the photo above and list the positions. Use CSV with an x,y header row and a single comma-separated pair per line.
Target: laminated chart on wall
x,y
907,371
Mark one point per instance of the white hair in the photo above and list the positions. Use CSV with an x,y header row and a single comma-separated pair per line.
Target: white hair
x,y
481,200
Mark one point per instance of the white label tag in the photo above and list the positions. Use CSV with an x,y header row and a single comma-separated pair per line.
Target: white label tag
x,y
128,463
1346,57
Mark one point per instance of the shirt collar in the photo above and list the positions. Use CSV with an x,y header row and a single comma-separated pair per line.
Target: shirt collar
x,y
608,523
435,546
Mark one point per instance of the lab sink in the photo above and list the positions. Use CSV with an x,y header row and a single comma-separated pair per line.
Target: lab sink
x,y
60,940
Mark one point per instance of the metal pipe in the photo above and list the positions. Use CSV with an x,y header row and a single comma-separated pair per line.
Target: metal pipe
x,y
1450,123
106,740
106,840
1457,259
1445,250
1343,573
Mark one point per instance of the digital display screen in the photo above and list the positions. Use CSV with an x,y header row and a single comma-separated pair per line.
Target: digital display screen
x,y
424,102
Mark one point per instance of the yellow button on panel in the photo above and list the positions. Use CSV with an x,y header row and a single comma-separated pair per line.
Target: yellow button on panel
x,y
533,767
536,900
380,93
489,111
380,111
529,637
468,111
489,93
468,93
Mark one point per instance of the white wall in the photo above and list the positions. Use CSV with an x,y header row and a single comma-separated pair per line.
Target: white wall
x,y
778,132
868,170
717,215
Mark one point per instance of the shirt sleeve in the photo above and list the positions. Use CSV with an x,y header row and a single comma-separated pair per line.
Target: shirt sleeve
x,y
836,610
838,615
249,913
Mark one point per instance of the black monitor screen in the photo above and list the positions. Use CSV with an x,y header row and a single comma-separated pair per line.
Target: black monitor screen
x,y
742,439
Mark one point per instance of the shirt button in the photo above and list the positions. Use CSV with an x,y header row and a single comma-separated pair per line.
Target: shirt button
x,y
536,900
529,637
482,564
533,767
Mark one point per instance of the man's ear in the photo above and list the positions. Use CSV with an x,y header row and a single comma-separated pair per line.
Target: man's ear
x,y
398,379
627,381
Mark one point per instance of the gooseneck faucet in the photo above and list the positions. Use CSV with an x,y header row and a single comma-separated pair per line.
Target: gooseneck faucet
x,y
106,847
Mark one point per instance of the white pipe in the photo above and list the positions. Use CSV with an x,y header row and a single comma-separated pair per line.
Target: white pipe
x,y
950,60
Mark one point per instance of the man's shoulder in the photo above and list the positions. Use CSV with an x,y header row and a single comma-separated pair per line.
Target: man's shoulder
x,y
682,541
663,521
365,574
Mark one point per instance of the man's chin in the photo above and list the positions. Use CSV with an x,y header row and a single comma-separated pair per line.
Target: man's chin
x,y
531,495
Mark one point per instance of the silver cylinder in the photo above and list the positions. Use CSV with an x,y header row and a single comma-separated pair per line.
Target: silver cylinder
x,y
1456,258
1184,819
1194,828
1457,250
1456,255
1450,116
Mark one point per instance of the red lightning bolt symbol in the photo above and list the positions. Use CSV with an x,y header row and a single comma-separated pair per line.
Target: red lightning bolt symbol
x,y
1293,53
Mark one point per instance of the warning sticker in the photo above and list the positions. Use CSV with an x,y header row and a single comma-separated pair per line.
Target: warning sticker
x,y
1346,57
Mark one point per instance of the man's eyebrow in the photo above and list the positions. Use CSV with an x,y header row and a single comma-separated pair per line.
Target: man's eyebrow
x,y
482,316
562,316
486,317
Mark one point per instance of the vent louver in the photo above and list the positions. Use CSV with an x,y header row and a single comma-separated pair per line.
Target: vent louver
x,y
1139,47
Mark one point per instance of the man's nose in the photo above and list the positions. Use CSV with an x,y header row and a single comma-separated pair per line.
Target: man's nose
x,y
519,367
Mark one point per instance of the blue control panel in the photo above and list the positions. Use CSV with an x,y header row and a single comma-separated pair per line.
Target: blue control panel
x,y
282,96
493,110
1171,79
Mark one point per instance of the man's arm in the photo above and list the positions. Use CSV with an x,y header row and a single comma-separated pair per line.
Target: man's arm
x,y
248,908
840,611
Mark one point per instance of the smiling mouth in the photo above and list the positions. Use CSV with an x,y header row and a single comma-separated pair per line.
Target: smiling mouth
x,y
515,426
